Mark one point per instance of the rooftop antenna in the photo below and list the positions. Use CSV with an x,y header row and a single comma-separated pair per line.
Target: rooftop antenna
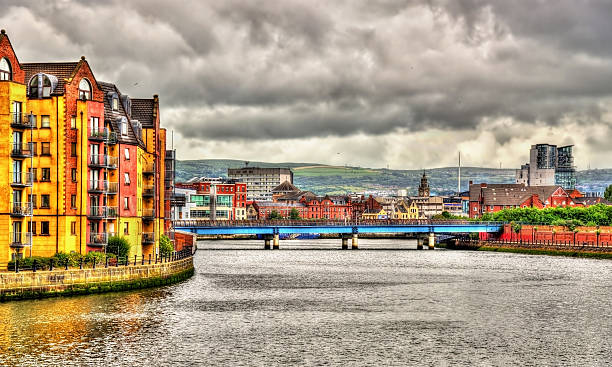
x,y
246,163
459,175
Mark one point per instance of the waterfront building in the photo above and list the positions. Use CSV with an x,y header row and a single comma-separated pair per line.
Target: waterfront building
x,y
454,206
260,181
182,204
217,200
548,165
370,214
491,198
80,164
406,209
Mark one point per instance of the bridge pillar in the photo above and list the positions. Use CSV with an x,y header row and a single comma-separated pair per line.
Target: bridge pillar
x,y
276,242
419,243
344,243
355,243
432,241
266,244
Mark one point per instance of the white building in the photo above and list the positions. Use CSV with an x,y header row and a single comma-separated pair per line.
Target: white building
x,y
260,181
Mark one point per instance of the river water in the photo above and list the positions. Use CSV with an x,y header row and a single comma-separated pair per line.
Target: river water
x,y
308,304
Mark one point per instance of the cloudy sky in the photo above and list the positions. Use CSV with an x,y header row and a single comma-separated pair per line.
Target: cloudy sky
x,y
404,83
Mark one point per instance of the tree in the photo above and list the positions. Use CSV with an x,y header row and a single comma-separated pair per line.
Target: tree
x,y
608,193
119,246
275,215
166,247
294,214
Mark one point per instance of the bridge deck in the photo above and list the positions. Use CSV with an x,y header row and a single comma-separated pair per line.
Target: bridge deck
x,y
220,228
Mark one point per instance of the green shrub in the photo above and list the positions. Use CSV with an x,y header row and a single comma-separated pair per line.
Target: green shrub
x,y
119,246
99,257
166,247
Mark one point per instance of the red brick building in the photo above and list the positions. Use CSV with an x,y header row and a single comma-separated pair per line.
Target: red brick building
x,y
491,198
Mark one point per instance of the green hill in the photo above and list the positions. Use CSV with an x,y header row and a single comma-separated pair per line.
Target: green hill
x,y
321,178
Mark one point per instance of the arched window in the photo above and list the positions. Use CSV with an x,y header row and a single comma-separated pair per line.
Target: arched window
x,y
41,85
84,89
5,69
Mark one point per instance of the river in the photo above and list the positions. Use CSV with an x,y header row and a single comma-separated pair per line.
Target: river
x,y
310,304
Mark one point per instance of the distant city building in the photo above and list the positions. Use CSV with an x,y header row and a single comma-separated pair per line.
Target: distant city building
x,y
548,165
424,186
260,181
225,200
491,198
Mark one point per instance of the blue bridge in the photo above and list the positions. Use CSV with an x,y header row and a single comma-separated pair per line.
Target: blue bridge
x,y
271,230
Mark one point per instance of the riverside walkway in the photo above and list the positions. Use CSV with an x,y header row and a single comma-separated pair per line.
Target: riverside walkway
x,y
272,229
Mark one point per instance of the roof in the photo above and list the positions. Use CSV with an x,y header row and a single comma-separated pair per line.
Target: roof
x,y
142,110
113,117
285,187
589,201
62,70
509,194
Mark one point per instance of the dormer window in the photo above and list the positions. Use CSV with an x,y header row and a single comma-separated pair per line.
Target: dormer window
x,y
123,126
84,89
115,104
42,85
5,69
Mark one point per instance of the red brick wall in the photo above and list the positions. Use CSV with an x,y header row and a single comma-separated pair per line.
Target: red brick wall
x,y
6,50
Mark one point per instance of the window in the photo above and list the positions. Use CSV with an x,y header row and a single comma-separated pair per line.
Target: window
x,y
115,103
126,229
126,176
44,228
123,125
46,175
127,154
73,201
73,122
33,121
5,69
45,148
73,149
126,203
32,228
34,148
84,89
94,125
45,202
45,121
40,86
73,174
32,199
34,174
73,228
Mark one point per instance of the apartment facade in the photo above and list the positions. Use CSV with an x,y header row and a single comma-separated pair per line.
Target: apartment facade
x,y
76,171
548,165
260,181
217,200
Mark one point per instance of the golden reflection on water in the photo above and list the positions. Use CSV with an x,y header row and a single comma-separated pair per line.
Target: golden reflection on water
x,y
67,326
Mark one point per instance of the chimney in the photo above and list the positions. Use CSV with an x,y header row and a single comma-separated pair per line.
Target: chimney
x,y
483,185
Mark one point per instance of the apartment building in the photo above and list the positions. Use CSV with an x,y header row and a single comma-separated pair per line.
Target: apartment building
x,y
260,181
216,200
81,161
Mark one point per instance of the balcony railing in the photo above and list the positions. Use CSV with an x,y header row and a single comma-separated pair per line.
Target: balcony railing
x,y
148,169
21,209
98,186
104,135
21,150
111,212
98,239
103,161
148,191
98,212
148,213
21,179
112,187
21,121
148,237
20,239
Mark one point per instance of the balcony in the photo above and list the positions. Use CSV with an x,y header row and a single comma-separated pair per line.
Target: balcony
x,y
102,161
148,191
21,150
97,212
97,239
97,186
21,179
112,188
148,169
148,238
21,209
104,135
21,121
20,239
148,213
111,212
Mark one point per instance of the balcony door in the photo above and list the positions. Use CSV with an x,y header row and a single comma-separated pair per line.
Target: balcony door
x,y
16,232
17,171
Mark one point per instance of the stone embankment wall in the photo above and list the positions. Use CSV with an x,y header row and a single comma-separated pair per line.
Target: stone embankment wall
x,y
87,281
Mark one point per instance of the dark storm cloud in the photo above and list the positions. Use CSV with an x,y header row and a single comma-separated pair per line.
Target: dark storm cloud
x,y
235,70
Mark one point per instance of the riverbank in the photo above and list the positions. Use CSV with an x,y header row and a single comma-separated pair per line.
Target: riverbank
x,y
43,284
533,249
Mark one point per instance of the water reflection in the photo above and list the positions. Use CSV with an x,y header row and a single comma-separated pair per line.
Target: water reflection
x,y
253,307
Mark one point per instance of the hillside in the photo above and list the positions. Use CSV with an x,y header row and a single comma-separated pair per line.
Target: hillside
x,y
321,178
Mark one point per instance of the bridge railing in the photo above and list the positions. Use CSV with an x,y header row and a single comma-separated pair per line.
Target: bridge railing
x,y
306,223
